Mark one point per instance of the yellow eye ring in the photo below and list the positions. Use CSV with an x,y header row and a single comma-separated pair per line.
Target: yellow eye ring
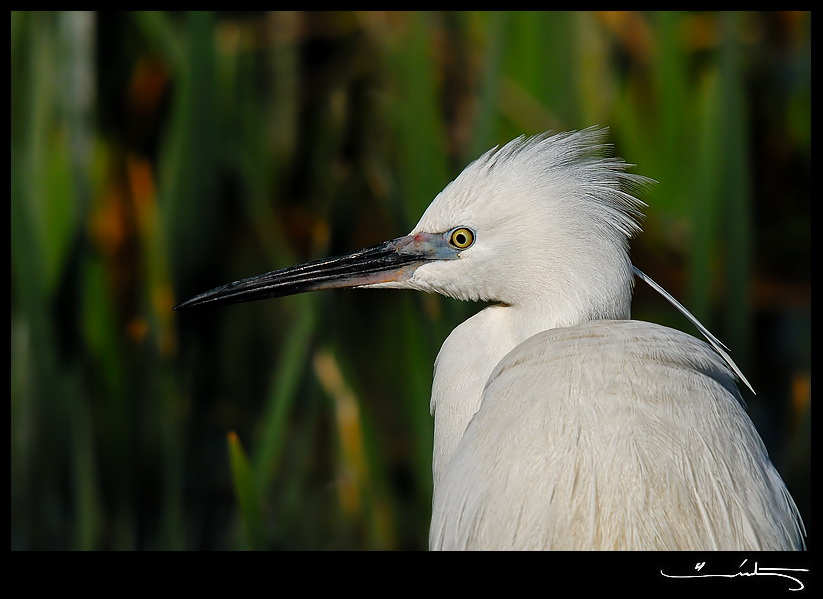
x,y
461,238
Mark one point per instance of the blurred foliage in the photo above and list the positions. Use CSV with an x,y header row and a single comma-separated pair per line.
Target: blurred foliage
x,y
155,155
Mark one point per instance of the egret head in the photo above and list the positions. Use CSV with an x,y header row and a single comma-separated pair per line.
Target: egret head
x,y
543,221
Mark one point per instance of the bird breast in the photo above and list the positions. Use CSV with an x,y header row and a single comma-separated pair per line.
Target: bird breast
x,y
610,435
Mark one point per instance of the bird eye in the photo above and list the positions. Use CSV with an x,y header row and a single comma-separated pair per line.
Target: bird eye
x,y
461,238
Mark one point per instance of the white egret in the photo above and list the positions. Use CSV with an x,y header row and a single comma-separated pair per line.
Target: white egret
x,y
559,422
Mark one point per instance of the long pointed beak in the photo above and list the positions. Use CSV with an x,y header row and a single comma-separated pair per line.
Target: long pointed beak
x,y
385,262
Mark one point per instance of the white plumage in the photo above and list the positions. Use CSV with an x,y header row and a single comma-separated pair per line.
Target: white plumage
x,y
560,423
610,434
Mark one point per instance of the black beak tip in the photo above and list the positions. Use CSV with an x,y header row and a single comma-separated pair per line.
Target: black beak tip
x,y
189,303
182,305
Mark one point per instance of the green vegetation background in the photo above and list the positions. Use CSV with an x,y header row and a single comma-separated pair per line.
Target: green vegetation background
x,y
155,155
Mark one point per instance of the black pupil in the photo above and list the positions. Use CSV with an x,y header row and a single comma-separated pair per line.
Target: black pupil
x,y
460,239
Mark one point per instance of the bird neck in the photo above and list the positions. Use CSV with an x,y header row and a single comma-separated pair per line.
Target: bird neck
x,y
465,363
471,352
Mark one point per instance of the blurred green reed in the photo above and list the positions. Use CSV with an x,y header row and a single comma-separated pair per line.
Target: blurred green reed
x,y
155,155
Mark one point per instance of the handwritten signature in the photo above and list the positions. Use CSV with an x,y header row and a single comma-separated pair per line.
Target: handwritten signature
x,y
756,571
